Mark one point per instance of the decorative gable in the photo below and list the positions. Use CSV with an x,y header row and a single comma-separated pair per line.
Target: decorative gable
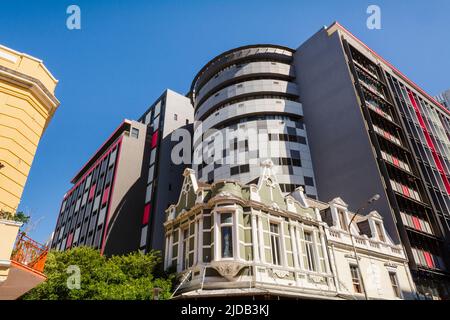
x,y
338,201
187,197
268,190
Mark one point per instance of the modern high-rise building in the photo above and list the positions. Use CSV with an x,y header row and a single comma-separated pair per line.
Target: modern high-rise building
x,y
381,134
171,112
444,98
247,109
27,104
118,197
103,207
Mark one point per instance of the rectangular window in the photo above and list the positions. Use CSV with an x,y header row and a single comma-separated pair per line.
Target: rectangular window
x,y
153,156
234,170
356,280
275,243
175,117
342,220
380,231
309,181
135,133
309,250
394,282
226,234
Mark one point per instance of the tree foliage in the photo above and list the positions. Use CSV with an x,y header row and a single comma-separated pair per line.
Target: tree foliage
x,y
127,277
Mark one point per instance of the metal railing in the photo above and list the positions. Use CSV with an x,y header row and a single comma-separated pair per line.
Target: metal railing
x,y
29,253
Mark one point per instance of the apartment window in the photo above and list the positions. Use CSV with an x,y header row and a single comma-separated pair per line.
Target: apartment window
x,y
234,170
226,235
356,279
394,282
135,133
187,121
175,117
342,221
309,251
309,181
380,231
244,168
275,243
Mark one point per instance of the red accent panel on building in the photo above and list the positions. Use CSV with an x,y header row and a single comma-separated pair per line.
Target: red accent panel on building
x,y
395,161
69,241
146,216
428,259
430,143
92,191
154,139
405,191
105,195
416,223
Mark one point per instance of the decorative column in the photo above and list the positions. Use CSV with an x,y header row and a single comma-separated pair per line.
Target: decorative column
x,y
297,231
294,245
217,239
255,238
195,242
261,239
166,255
235,228
200,240
180,250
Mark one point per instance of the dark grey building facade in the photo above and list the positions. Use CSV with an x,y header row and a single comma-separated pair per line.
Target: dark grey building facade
x,y
372,130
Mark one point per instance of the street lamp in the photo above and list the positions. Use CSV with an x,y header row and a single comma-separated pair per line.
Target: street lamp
x,y
369,202
156,292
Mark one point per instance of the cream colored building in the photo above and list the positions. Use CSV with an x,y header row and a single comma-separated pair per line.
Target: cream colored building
x,y
228,239
27,104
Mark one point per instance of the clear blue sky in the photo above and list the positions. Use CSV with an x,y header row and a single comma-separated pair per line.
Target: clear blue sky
x,y
128,52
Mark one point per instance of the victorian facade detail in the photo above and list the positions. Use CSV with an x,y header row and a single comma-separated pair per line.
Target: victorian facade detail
x,y
227,238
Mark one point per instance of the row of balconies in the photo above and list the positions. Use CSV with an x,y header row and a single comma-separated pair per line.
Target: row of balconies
x,y
363,242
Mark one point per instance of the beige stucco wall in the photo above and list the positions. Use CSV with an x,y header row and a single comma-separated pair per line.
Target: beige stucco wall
x,y
8,234
375,271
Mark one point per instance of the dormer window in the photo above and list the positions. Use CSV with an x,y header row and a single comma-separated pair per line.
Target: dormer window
x,y
342,220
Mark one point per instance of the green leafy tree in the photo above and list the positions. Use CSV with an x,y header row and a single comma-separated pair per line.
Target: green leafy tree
x,y
127,277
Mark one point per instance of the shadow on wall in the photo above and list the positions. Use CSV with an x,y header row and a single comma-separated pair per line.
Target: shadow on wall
x,y
125,223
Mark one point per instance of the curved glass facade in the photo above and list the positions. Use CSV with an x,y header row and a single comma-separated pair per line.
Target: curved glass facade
x,y
248,109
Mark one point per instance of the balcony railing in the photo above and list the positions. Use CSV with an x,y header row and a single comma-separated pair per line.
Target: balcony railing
x,y
29,253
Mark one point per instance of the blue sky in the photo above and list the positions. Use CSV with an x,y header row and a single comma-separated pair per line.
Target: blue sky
x,y
128,52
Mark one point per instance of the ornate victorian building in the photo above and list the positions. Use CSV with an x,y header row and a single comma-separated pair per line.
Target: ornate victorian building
x,y
230,239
